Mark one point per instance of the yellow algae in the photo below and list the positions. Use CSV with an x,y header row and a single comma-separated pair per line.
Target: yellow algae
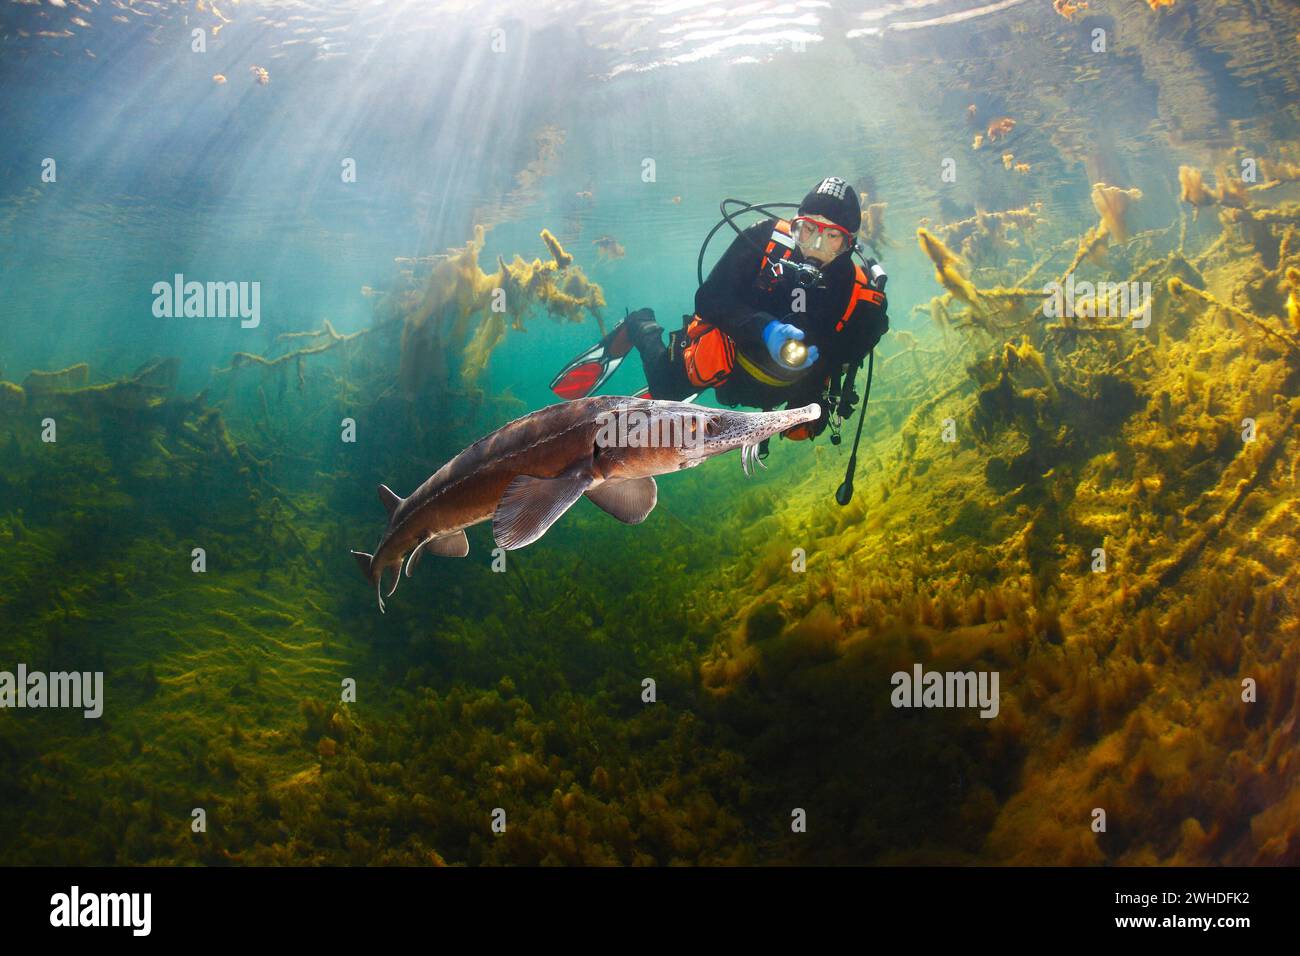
x,y
1068,9
65,379
947,268
12,397
1232,191
562,259
1192,187
1112,204
999,129
1293,297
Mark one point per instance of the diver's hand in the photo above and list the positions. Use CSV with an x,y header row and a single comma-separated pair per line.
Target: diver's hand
x,y
777,333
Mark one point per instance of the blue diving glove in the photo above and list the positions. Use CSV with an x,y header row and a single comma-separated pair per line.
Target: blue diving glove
x,y
776,334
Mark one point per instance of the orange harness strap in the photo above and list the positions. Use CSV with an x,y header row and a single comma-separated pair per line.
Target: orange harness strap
x,y
780,236
862,292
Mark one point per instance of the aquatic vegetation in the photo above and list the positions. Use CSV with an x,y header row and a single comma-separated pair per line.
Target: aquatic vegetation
x,y
459,297
947,268
998,129
1112,204
451,326
607,247
1067,9
1083,439
987,236
1293,297
1193,187
547,141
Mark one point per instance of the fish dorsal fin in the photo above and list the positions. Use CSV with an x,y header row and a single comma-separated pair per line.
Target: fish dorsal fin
x,y
388,498
454,545
531,505
629,500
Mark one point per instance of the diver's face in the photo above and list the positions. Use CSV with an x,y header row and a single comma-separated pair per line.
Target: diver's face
x,y
820,239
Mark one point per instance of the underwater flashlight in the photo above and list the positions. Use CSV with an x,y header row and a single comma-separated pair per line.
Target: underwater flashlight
x,y
794,353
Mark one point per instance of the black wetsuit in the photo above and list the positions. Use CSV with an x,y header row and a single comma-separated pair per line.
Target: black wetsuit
x,y
731,299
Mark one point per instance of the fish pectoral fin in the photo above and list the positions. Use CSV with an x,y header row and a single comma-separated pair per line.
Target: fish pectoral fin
x,y
531,505
629,500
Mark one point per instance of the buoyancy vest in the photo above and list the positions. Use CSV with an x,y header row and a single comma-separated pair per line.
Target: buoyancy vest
x,y
710,355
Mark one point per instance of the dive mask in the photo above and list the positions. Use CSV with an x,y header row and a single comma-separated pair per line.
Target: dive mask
x,y
828,239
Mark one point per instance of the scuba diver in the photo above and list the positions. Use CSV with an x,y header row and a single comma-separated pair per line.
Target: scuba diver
x,y
786,317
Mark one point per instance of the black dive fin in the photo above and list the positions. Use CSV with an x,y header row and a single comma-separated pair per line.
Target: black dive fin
x,y
531,505
588,371
629,500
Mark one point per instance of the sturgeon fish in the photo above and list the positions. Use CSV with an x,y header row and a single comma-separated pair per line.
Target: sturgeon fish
x,y
528,473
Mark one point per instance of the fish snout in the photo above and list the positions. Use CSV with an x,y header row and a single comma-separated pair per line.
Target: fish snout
x,y
781,421
747,429
757,426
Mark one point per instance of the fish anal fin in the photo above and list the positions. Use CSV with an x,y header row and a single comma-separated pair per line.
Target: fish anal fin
x,y
389,499
531,505
629,500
